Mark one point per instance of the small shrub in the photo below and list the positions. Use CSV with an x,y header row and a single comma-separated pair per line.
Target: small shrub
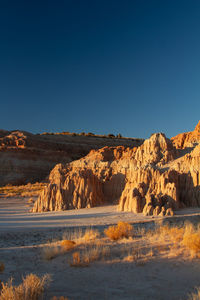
x,y
80,236
191,240
90,234
122,230
195,296
67,244
51,251
77,261
90,134
110,135
31,288
95,252
175,234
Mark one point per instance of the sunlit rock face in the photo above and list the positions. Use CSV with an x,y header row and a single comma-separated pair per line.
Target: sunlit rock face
x,y
187,139
155,178
26,157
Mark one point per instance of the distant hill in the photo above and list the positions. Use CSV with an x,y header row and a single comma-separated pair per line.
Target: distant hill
x,y
27,157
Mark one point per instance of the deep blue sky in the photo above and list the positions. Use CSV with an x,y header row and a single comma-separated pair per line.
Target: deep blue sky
x,y
102,66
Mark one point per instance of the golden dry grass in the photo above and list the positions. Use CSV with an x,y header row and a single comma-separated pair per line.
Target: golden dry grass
x,y
121,230
50,251
81,236
176,240
120,244
55,249
71,240
195,296
78,261
67,245
28,190
31,288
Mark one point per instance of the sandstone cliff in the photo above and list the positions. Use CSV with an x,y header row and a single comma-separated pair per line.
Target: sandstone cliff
x,y
154,178
26,157
187,139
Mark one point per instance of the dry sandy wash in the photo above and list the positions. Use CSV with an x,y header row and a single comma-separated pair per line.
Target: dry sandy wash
x,y
140,267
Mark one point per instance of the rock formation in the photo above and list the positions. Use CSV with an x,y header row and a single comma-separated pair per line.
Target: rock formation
x,y
26,157
187,139
154,178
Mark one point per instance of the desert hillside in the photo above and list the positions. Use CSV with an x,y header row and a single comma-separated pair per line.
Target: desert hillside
x,y
155,178
27,157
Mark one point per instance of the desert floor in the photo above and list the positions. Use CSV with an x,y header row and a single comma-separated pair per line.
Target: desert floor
x,y
24,237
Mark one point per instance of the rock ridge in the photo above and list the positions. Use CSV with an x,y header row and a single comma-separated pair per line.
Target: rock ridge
x,y
27,157
155,178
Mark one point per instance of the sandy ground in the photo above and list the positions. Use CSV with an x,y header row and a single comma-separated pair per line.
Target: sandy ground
x,y
23,235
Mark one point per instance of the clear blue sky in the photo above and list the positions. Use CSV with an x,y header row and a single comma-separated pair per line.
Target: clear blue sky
x,y
102,66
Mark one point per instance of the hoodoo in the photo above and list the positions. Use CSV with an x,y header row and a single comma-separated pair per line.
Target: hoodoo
x,y
154,178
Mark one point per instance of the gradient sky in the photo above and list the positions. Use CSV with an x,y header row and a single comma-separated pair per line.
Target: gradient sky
x,y
101,66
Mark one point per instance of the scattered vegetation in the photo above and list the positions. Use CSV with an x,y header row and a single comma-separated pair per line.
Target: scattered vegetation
x,y
81,236
195,296
122,230
78,261
115,244
31,288
51,250
91,134
28,190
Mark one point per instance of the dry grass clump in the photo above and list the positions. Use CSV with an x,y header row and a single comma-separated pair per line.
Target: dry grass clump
x,y
70,241
191,240
96,252
78,261
88,254
82,236
90,235
166,233
50,251
31,288
195,296
186,238
67,245
28,190
2,267
121,230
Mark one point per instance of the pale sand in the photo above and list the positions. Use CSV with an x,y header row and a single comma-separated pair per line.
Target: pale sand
x,y
22,235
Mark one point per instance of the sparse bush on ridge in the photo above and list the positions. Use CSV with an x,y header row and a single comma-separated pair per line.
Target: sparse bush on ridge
x,y
31,288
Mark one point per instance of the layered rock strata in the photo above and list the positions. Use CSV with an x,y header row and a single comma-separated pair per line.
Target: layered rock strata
x,y
26,157
154,178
